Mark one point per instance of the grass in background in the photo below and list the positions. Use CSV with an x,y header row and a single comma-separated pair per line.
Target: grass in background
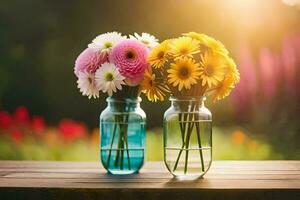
x,y
228,144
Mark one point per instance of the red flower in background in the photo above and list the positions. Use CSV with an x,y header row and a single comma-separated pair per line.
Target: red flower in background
x,y
21,115
38,124
16,134
20,125
5,120
71,130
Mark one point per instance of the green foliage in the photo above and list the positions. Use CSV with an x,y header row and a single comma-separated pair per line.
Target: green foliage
x,y
227,145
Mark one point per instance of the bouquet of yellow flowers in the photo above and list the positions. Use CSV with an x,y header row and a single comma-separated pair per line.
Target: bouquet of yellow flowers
x,y
189,68
192,65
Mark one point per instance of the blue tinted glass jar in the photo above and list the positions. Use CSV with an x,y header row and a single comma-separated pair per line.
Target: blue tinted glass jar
x,y
122,136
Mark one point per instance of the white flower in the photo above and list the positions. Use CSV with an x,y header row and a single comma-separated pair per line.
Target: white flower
x,y
104,42
108,78
86,85
149,40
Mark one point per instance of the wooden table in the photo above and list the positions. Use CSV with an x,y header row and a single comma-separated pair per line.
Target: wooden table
x,y
88,180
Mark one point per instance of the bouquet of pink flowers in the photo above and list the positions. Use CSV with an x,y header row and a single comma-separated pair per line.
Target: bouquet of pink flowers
x,y
114,64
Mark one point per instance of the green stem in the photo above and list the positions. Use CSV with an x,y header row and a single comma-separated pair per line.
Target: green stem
x,y
119,142
127,151
182,123
111,143
188,137
122,152
125,137
123,141
186,121
185,117
199,142
178,157
181,126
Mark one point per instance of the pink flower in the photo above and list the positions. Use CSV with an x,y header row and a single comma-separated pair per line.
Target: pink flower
x,y
244,93
89,61
289,65
268,73
130,57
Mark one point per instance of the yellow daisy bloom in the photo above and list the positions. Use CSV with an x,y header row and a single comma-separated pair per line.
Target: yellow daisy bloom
x,y
213,68
215,45
223,89
159,55
183,73
196,36
152,88
184,47
209,42
232,70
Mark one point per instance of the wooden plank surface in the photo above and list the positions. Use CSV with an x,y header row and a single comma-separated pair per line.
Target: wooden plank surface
x,y
75,180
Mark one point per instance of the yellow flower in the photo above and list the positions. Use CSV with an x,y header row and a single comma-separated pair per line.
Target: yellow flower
x,y
184,47
183,73
196,36
212,69
232,70
159,55
223,89
152,88
208,42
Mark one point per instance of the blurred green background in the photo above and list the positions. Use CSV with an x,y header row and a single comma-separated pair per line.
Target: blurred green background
x,y
40,40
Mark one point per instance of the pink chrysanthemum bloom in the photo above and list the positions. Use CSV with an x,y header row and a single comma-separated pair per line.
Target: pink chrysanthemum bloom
x,y
89,61
130,57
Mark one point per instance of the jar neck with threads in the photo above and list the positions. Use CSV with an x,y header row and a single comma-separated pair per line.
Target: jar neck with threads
x,y
187,104
123,104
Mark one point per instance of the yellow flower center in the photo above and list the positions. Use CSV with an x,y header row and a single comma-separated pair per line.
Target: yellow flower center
x,y
146,42
109,76
108,44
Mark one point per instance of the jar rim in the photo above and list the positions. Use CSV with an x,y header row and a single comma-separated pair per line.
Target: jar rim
x,y
187,98
124,100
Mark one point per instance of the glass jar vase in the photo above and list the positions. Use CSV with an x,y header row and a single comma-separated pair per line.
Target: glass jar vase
x,y
122,136
188,137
